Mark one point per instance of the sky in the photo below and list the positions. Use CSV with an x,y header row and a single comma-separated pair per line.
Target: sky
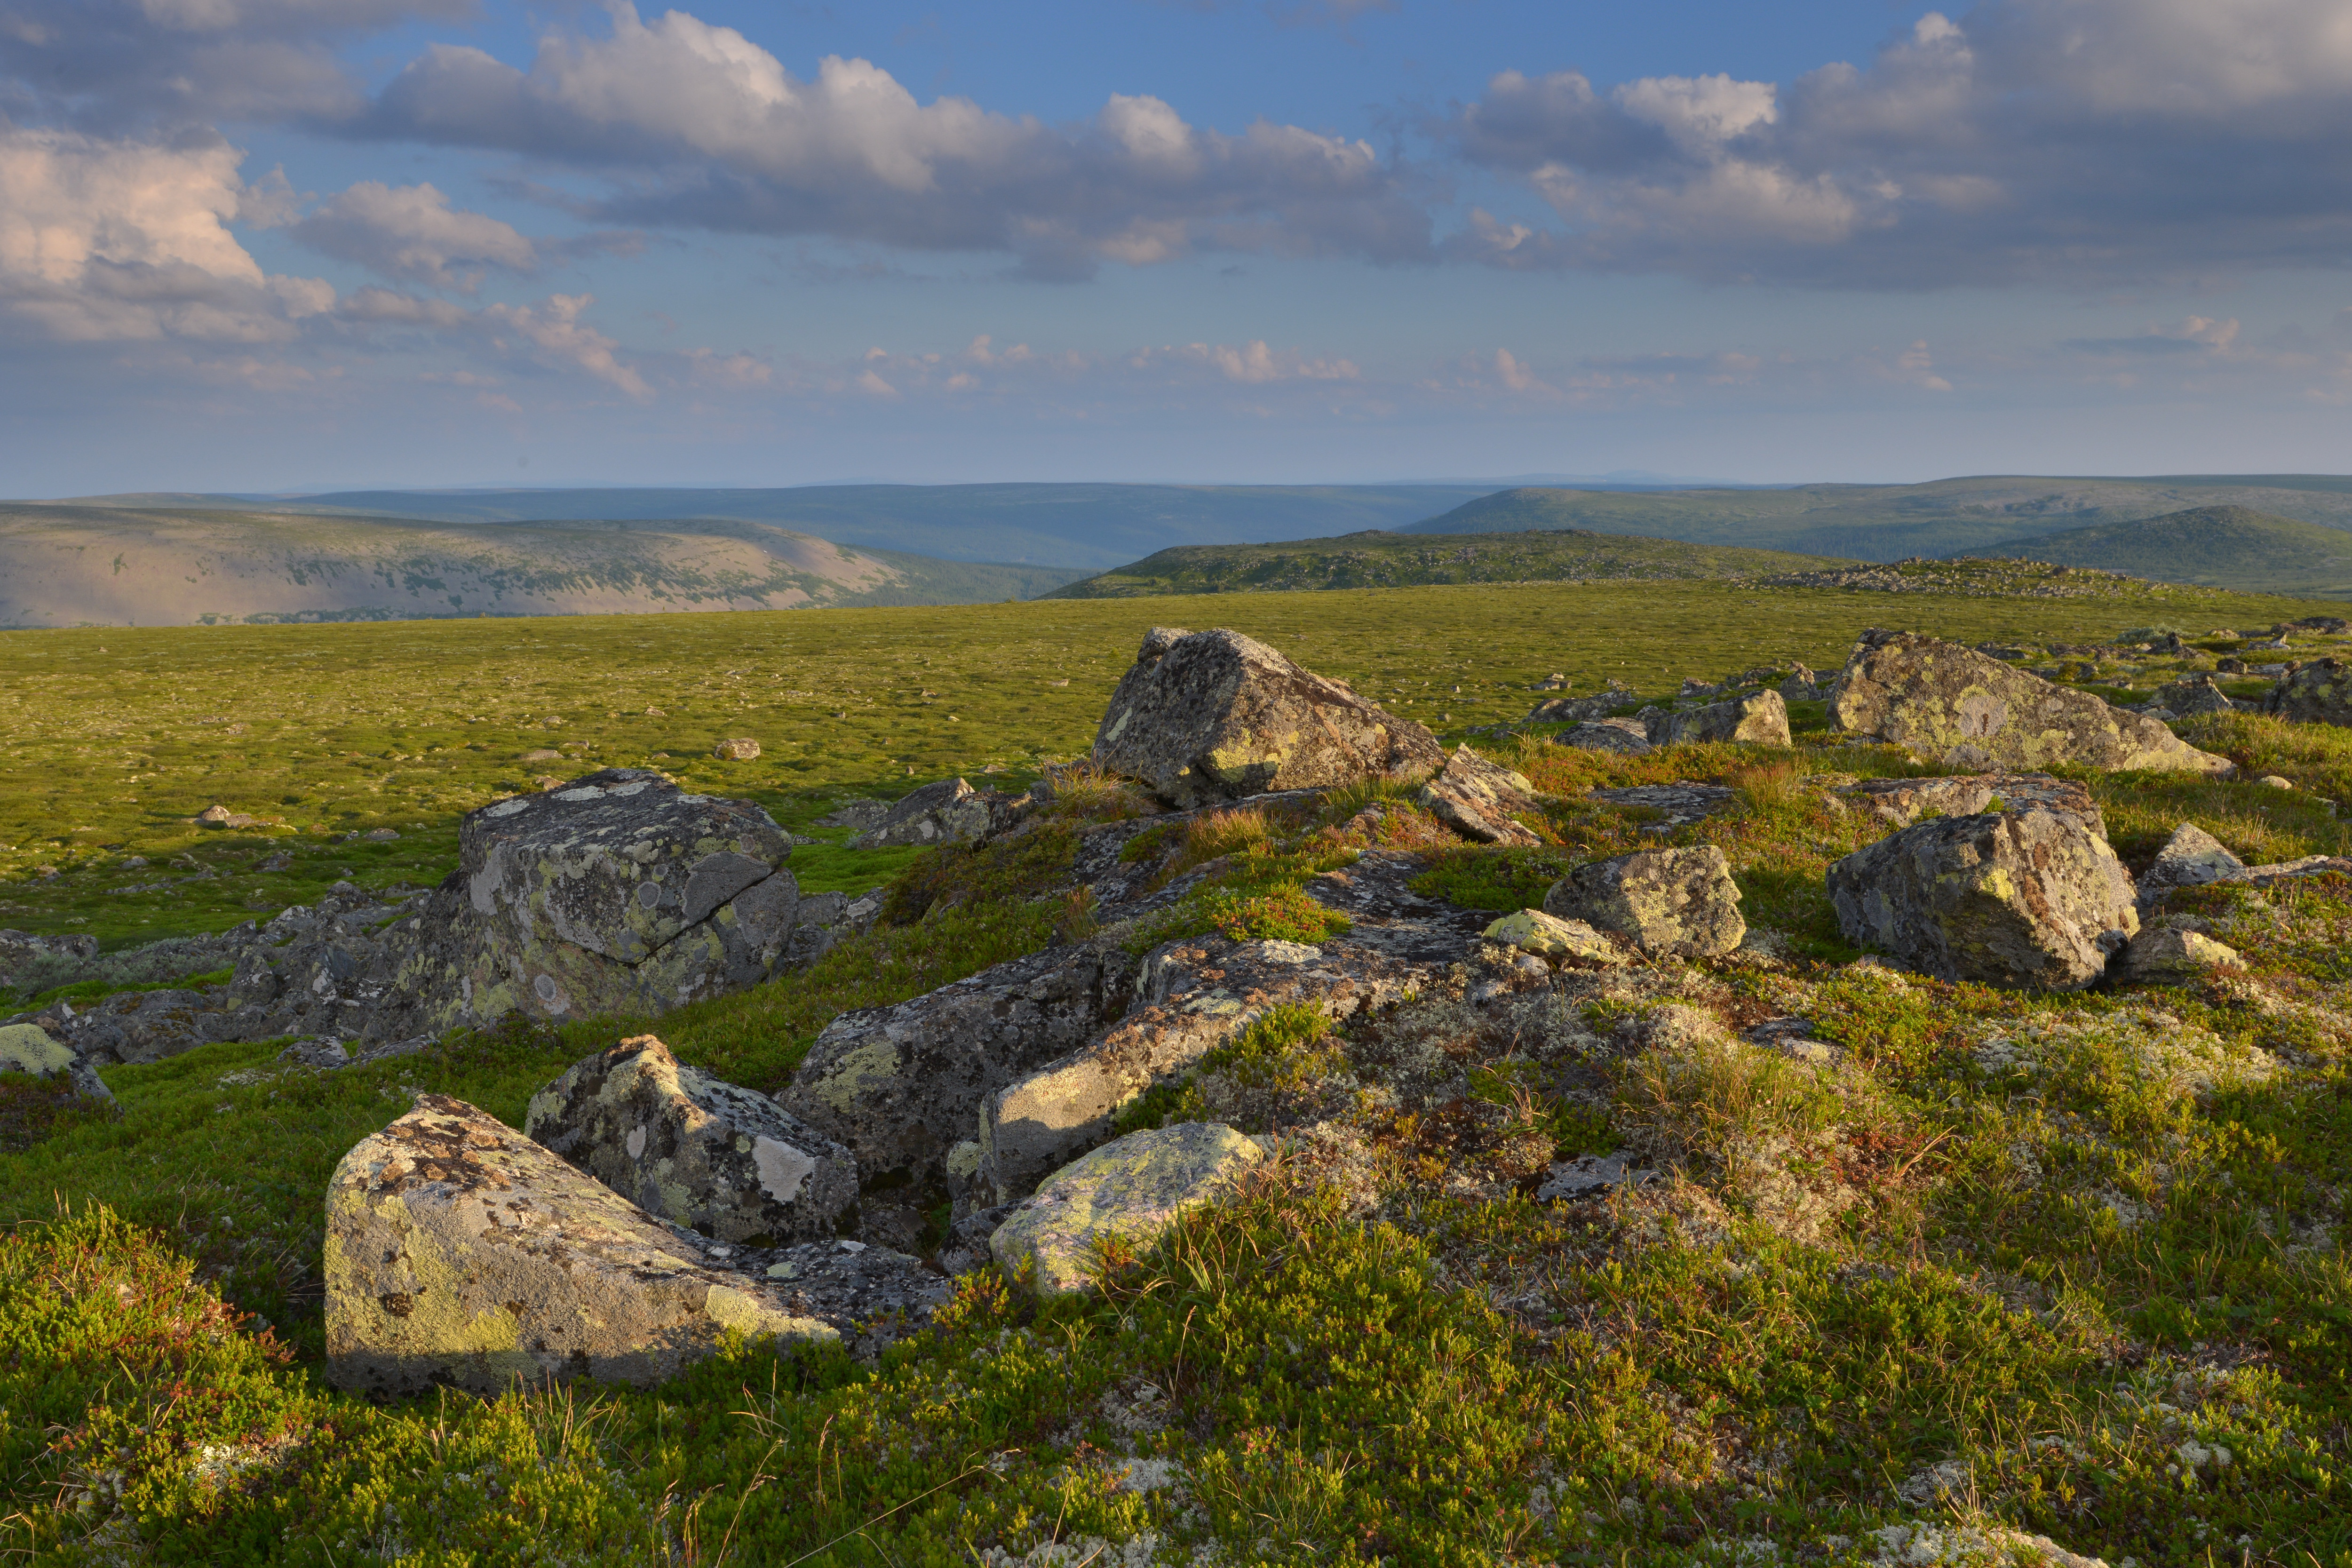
x,y
287,244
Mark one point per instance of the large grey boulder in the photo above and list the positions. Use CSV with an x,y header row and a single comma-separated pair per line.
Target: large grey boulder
x,y
460,1252
1208,716
698,1151
2319,692
27,1049
1761,718
2023,898
1680,901
948,812
1954,706
1128,1192
1481,800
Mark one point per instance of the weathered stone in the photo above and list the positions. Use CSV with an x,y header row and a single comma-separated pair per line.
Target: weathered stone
x,y
695,1150
2319,692
2191,696
1800,686
2030,898
215,817
1591,1176
1533,931
1627,737
1665,900
1126,1191
2189,858
1951,705
458,1251
1904,801
1676,803
27,1049
1761,718
1579,710
26,959
1215,715
736,749
872,1296
2166,956
1478,799
948,812
1193,997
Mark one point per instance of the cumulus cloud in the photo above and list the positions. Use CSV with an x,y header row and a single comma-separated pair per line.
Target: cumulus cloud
x,y
106,240
411,233
2026,140
552,334
703,128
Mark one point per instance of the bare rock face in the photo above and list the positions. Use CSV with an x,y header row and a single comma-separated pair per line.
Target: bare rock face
x,y
1479,799
1209,716
2026,898
1128,1191
699,1152
460,1252
2319,692
1663,900
1902,801
1761,718
1952,705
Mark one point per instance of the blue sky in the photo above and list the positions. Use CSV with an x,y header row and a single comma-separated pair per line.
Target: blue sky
x,y
290,244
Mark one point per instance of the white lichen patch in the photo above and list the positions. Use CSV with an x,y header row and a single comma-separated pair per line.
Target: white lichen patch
x,y
2149,1043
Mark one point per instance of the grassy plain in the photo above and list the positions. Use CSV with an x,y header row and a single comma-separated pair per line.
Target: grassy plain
x,y
2068,1265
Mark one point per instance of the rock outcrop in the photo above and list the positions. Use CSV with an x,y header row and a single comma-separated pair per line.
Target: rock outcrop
x,y
2027,897
1209,716
1126,1191
2319,692
695,1150
1481,800
1679,902
1951,705
460,1252
27,1049
948,812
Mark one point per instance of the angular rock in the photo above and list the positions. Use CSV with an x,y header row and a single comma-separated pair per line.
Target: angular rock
x,y
695,1150
2170,957
24,956
2025,898
2190,858
948,812
1627,737
1665,900
1800,686
1761,718
740,748
1126,1191
1193,997
1951,705
1533,931
2192,695
1208,716
460,1252
1904,801
1579,710
27,1049
871,1296
1478,799
2319,692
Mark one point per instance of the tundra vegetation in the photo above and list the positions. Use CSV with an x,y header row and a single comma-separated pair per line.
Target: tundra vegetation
x,y
1952,1274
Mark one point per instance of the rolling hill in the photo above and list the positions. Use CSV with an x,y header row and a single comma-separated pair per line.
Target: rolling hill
x,y
2211,547
1381,560
83,565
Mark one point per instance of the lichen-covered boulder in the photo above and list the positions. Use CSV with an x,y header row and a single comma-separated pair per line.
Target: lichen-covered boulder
x,y
2190,858
1127,1191
1208,716
1481,800
460,1252
1548,936
1626,737
2167,956
1902,801
948,812
699,1152
1665,900
2023,898
1951,705
2319,692
1761,718
27,1049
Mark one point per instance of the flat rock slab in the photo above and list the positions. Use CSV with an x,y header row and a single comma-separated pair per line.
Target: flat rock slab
x,y
1126,1191
27,1049
460,1252
1626,737
695,1150
1683,804
1208,716
1904,801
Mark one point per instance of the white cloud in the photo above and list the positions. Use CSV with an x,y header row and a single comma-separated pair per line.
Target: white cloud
x,y
551,334
411,233
108,240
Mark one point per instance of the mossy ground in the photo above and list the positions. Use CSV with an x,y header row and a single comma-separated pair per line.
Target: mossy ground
x,y
1983,1263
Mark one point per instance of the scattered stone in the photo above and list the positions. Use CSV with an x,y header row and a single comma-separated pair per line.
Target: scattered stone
x,y
1761,718
214,816
740,749
460,1252
1478,799
1208,716
1904,801
860,814
948,812
1627,737
381,835
1579,710
1800,686
1533,931
1951,705
1591,1176
1127,1191
1680,901
27,1049
2171,956
2191,696
2273,781
2030,898
699,1152
542,755
2189,858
